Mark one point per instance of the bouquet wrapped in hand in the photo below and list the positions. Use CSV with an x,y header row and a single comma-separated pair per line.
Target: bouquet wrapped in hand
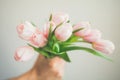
x,y
53,43
58,37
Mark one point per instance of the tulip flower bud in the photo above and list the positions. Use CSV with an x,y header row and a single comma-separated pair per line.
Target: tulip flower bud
x,y
24,53
38,40
26,30
84,31
47,28
104,46
64,32
58,18
93,36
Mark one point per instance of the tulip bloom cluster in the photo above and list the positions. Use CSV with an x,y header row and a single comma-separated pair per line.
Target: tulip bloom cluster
x,y
58,37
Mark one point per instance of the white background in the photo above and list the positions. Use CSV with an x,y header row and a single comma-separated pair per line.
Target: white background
x,y
102,14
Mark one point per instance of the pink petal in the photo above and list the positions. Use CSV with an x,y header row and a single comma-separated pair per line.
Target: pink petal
x,y
60,17
38,40
64,32
24,53
93,36
85,31
104,46
26,30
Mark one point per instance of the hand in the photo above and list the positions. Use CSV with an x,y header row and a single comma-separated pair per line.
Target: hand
x,y
44,69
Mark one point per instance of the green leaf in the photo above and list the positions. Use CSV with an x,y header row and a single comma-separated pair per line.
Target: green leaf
x,y
54,38
33,24
43,53
65,44
78,30
73,38
59,24
65,56
49,50
68,21
50,32
56,47
70,41
40,51
85,49
50,17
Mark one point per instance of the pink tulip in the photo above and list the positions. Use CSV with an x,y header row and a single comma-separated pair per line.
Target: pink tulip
x,y
64,32
58,18
93,36
47,28
38,40
24,53
104,46
84,31
26,30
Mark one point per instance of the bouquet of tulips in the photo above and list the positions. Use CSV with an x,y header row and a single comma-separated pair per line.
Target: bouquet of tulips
x,y
58,37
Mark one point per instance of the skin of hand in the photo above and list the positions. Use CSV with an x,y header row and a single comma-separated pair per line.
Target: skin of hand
x,y
44,69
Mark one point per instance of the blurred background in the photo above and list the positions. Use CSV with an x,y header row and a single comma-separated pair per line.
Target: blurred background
x,y
102,14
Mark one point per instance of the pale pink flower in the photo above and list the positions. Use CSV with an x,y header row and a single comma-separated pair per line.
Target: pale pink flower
x,y
24,53
85,31
93,36
64,32
60,17
47,28
104,46
26,30
38,40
